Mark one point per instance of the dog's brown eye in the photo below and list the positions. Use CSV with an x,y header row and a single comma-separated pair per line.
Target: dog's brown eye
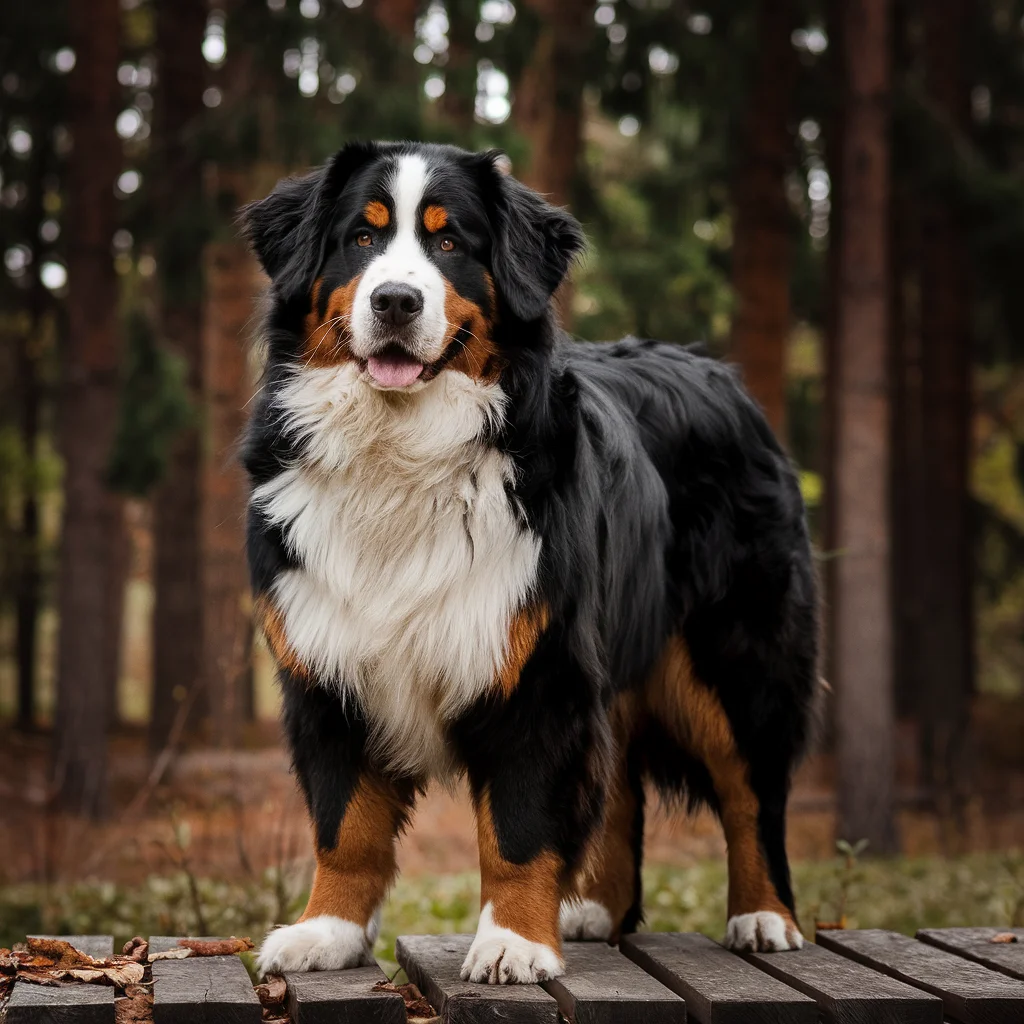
x,y
364,238
447,245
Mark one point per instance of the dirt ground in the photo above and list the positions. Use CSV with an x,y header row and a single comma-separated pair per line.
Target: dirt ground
x,y
232,813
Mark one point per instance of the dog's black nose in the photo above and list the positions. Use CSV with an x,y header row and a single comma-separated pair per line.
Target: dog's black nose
x,y
395,303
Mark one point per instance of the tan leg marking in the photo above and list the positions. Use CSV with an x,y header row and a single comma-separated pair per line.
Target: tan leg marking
x,y
272,623
523,897
353,878
523,633
695,717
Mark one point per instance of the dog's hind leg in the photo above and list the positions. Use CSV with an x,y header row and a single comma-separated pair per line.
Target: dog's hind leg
x,y
607,895
356,814
760,904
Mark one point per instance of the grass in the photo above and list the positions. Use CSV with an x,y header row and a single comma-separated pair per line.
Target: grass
x,y
901,894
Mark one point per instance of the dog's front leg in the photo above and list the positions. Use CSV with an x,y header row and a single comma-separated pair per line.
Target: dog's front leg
x,y
356,813
535,761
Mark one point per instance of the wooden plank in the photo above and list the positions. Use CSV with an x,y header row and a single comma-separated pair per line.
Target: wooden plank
x,y
976,944
846,991
601,986
434,962
342,997
73,1003
201,989
719,987
970,993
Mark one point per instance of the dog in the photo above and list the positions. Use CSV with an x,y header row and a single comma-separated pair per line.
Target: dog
x,y
479,548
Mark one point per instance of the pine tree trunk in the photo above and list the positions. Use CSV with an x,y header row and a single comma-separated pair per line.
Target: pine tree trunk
x,y
863,637
232,283
91,560
177,617
29,391
946,393
762,237
549,99
459,100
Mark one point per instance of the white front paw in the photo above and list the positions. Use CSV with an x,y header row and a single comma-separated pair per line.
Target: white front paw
x,y
319,944
585,919
500,956
763,931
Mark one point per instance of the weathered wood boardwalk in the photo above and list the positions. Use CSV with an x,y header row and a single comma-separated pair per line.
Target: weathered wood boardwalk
x,y
850,977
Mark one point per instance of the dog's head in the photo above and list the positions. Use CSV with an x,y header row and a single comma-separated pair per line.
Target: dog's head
x,y
403,256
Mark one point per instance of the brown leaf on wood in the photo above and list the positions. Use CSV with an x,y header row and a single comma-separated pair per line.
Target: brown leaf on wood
x,y
135,1008
1004,937
415,1005
60,952
38,977
216,947
273,991
177,953
136,949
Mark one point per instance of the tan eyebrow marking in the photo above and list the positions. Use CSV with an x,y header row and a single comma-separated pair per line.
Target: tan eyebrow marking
x,y
377,214
435,218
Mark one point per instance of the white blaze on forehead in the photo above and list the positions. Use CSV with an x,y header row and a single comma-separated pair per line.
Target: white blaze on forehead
x,y
403,258
408,184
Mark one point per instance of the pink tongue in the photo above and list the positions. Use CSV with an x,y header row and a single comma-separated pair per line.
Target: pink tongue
x,y
394,371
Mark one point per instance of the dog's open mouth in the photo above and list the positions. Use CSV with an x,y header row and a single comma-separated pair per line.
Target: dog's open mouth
x,y
394,368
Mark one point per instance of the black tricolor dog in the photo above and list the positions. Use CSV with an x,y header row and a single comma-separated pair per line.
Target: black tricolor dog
x,y
481,548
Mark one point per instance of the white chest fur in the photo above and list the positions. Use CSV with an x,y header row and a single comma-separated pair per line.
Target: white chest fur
x,y
413,563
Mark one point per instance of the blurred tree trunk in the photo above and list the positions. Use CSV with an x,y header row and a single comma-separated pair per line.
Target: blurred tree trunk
x,y
92,551
549,102
834,149
909,510
863,637
30,398
177,618
946,407
762,234
398,16
232,282
459,100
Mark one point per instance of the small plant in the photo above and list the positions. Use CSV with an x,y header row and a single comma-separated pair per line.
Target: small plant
x,y
847,867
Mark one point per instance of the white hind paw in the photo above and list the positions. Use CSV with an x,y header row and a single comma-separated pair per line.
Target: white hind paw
x,y
763,931
585,919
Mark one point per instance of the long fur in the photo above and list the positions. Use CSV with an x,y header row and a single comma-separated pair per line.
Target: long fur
x,y
621,494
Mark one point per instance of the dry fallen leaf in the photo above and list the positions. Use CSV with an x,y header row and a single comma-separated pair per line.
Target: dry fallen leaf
x,y
60,952
216,947
136,1007
415,1005
1004,937
177,953
136,949
273,991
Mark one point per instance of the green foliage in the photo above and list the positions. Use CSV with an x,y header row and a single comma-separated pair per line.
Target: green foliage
x,y
154,408
903,895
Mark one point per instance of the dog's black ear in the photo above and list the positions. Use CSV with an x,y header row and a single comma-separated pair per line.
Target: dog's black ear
x,y
289,229
534,243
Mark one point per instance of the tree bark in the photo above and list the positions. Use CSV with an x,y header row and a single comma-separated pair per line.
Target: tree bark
x,y
30,396
458,103
177,618
91,560
762,237
548,106
863,638
946,408
232,281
